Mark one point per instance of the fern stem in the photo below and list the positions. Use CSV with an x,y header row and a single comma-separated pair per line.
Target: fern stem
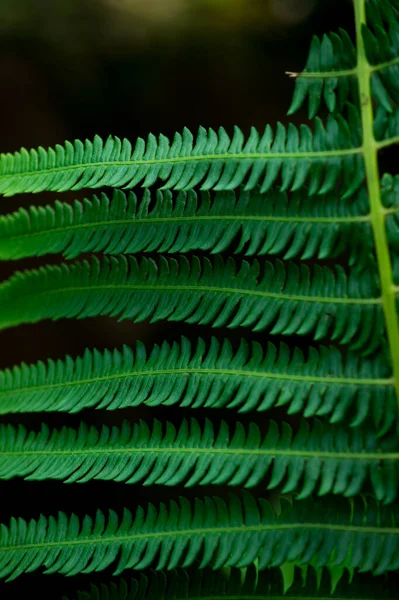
x,y
384,65
321,74
223,372
387,142
323,154
208,288
292,526
267,452
370,147
343,73
192,219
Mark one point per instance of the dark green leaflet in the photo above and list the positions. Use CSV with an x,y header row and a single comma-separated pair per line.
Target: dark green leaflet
x,y
298,156
330,75
193,583
285,299
211,376
250,222
321,460
217,533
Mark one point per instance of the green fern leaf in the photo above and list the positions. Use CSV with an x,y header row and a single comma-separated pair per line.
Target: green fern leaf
x,y
329,75
323,460
382,50
331,70
285,300
213,160
390,196
386,127
211,376
261,224
306,194
191,584
219,534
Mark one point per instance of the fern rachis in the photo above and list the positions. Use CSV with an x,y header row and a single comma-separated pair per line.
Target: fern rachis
x,y
388,289
288,199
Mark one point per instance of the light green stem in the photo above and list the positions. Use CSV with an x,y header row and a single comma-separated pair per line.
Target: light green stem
x,y
370,148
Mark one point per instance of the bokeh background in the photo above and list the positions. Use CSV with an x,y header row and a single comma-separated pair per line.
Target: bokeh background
x,y
73,68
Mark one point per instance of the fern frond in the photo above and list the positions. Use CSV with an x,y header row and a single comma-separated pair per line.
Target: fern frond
x,y
331,71
285,300
323,460
191,584
390,193
381,44
370,149
234,534
329,75
257,223
209,376
390,199
386,127
213,160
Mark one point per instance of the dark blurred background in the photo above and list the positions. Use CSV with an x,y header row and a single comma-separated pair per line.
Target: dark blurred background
x,y
73,68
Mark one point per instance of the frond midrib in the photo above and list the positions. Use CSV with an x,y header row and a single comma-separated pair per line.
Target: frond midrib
x,y
386,142
342,73
216,290
206,371
273,452
192,158
204,531
192,219
370,146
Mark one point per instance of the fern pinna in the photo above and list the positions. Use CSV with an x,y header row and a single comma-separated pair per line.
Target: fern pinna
x,y
296,231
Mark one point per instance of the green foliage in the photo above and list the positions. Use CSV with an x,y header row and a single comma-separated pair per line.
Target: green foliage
x,y
194,583
212,159
220,534
259,223
320,224
284,299
331,71
382,46
323,460
208,376
334,54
